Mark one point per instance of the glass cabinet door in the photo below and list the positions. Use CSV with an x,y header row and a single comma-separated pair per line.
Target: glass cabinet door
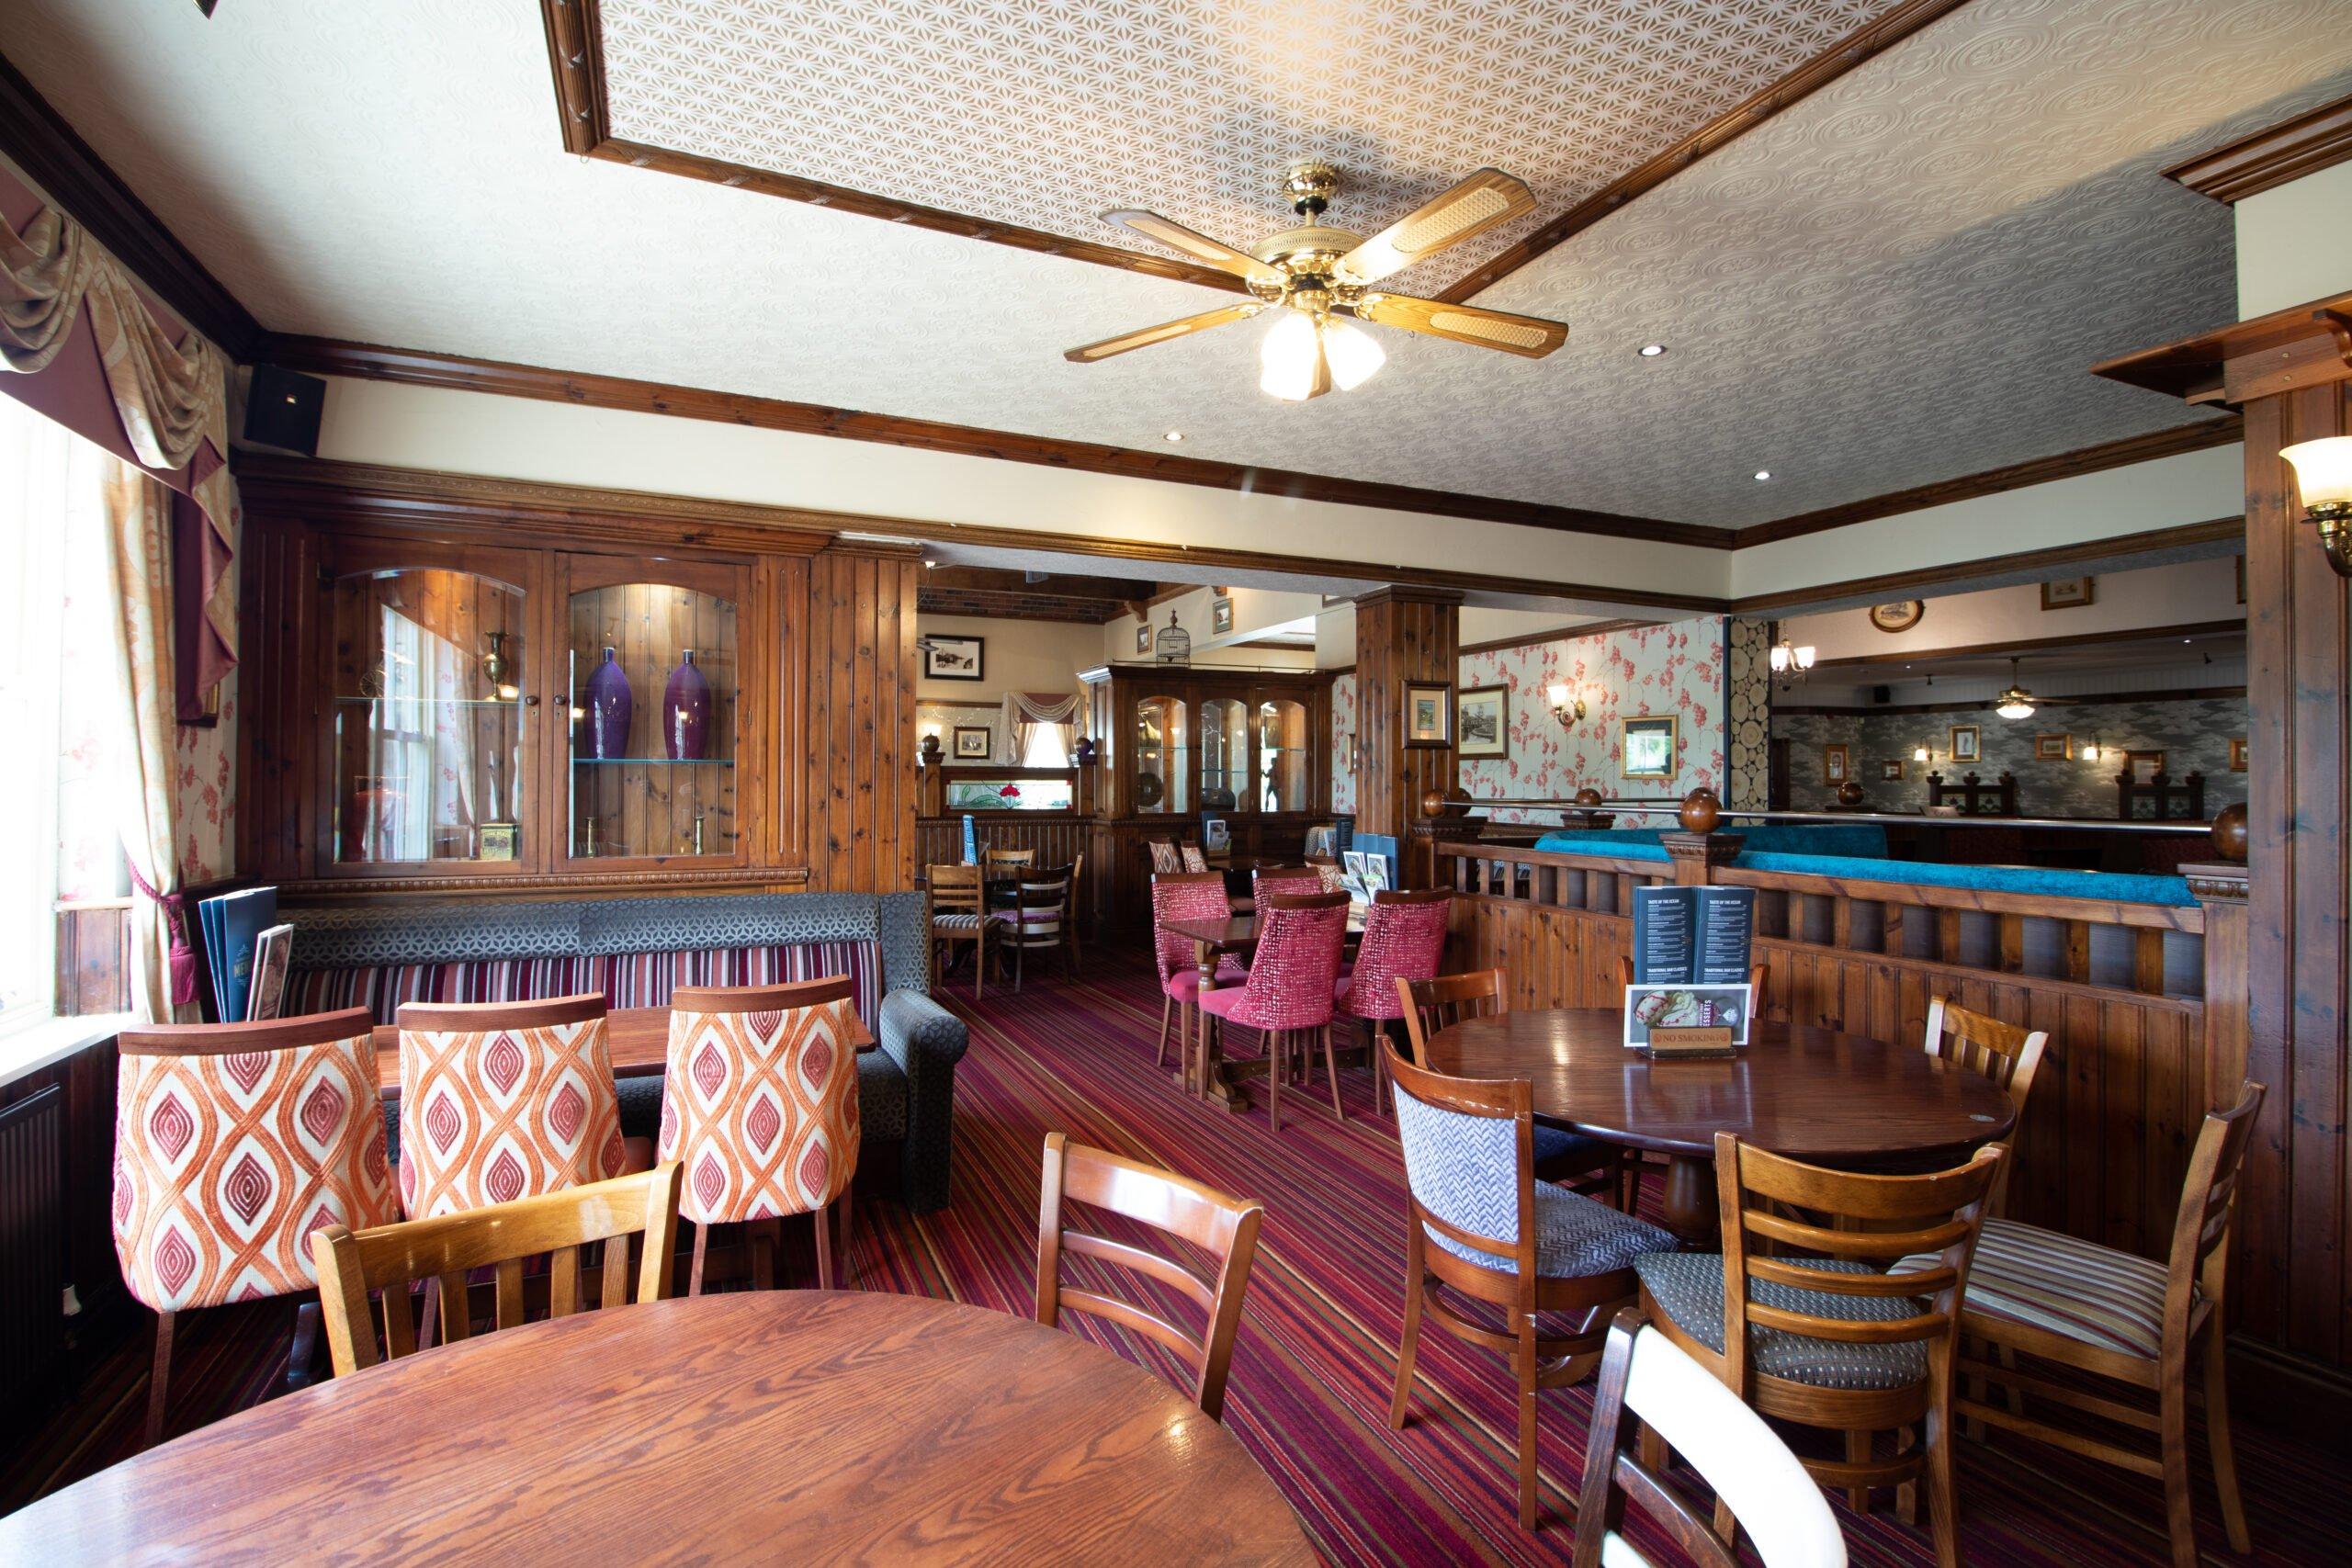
x,y
1285,760
650,681
1224,755
1163,757
427,716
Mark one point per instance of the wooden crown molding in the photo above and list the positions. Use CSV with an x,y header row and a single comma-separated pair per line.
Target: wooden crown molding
x,y
2303,345
575,57
1557,634
422,498
2267,158
2035,645
323,356
1865,42
1899,584
38,141
1992,482
2100,699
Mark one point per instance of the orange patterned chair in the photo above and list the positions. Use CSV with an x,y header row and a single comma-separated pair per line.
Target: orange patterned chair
x,y
759,1107
501,1101
234,1142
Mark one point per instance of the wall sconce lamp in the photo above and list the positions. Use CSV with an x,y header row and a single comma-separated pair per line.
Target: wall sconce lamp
x,y
1567,707
2323,474
1919,753
2091,752
1786,655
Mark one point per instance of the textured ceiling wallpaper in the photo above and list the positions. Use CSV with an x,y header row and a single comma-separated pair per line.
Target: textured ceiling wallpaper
x,y
1901,279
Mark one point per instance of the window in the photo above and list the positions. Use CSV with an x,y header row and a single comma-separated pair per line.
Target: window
x,y
60,791
1046,748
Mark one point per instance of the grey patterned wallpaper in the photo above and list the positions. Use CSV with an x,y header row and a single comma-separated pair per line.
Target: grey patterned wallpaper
x,y
2194,735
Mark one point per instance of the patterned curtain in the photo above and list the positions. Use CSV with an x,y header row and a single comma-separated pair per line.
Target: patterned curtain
x,y
1024,711
172,399
137,532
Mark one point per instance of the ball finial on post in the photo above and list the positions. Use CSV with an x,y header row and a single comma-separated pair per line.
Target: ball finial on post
x,y
1702,812
2230,834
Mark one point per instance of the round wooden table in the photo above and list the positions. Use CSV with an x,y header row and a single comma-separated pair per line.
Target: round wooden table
x,y
1834,1100
796,1425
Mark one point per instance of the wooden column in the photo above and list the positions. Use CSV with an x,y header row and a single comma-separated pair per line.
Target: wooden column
x,y
2291,374
1402,633
855,746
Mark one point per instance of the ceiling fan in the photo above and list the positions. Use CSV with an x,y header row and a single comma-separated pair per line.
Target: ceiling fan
x,y
2017,703
1314,275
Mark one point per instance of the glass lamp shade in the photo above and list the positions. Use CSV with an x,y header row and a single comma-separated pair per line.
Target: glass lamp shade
x,y
1780,658
1352,354
1920,754
1558,694
1287,358
2323,470
1805,656
2015,710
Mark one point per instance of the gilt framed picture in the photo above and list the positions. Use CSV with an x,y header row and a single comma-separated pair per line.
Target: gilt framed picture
x,y
1429,714
2237,754
954,658
2054,748
1891,770
1646,747
1964,739
1899,617
1837,764
2069,593
1220,616
1143,636
1482,723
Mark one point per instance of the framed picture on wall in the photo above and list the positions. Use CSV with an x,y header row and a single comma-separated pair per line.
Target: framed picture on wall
x,y
2142,767
974,743
1220,615
1646,747
954,658
1891,770
1837,764
2054,748
2069,593
1964,743
1429,713
1899,617
2237,754
1482,723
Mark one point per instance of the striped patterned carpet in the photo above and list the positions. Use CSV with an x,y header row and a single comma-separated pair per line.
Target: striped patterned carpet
x,y
1309,1388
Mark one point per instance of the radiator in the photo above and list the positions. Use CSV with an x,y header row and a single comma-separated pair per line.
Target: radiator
x,y
32,1247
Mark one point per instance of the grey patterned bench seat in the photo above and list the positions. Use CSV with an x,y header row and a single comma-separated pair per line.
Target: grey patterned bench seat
x,y
637,951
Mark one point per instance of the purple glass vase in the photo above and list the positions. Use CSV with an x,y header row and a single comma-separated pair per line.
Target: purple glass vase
x,y
686,710
610,703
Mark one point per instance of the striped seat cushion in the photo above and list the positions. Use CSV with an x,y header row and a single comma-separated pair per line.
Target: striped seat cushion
x,y
956,923
2045,1280
1689,1287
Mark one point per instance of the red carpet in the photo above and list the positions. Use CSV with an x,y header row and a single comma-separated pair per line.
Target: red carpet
x,y
1309,1388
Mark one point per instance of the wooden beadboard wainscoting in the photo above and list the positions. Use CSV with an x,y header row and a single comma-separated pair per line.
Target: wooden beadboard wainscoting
x,y
2119,985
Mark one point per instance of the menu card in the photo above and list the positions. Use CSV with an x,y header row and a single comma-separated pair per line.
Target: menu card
x,y
1693,936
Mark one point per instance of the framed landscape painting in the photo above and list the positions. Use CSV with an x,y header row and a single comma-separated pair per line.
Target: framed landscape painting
x,y
1646,747
1482,723
1429,713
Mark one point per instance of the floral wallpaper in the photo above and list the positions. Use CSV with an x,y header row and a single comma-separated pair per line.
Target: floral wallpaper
x,y
1343,743
1675,668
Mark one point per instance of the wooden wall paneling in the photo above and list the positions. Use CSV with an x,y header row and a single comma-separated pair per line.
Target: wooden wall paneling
x,y
1402,635
778,732
861,720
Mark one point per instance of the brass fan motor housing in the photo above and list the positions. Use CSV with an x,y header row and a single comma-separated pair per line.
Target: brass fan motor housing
x,y
1306,256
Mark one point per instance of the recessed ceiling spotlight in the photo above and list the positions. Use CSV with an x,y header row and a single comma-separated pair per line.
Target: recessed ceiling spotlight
x,y
1652,350
1175,435
1763,473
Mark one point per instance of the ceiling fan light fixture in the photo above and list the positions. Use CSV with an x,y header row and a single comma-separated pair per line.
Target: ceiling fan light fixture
x,y
2016,707
1352,352
1291,359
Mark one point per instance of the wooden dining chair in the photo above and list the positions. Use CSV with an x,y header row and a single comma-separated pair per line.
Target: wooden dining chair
x,y
1077,881
1773,1501
1585,1165
2115,1315
389,1258
1477,1221
2007,1054
1037,918
1821,1332
1224,1227
957,897
999,868
231,1139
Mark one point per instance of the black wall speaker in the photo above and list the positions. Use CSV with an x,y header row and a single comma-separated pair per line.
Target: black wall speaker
x,y
1882,693
282,408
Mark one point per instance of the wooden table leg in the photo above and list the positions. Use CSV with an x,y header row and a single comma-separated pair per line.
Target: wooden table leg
x,y
1692,1210
1213,1085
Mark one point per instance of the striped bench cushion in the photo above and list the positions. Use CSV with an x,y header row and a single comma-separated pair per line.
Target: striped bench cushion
x,y
627,980
2062,1284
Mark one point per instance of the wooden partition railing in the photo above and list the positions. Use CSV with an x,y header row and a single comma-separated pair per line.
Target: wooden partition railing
x,y
1056,837
2120,986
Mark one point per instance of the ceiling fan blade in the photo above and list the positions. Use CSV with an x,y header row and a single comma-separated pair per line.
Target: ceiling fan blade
x,y
1476,205
1199,246
1145,337
1530,336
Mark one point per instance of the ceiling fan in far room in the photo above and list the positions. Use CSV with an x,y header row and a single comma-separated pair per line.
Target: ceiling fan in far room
x,y
2017,703
1315,276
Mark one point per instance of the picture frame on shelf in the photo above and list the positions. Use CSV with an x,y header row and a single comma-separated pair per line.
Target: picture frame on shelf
x,y
958,658
1891,770
973,743
2237,754
1966,743
2144,767
2069,593
1482,723
1647,746
1899,617
1429,714
1836,764
2054,748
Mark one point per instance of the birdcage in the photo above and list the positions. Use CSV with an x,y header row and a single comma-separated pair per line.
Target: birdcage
x,y
1174,644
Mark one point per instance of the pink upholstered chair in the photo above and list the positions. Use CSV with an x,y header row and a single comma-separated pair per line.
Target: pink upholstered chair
x,y
1184,896
1287,997
1287,880
760,1106
1404,939
234,1142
